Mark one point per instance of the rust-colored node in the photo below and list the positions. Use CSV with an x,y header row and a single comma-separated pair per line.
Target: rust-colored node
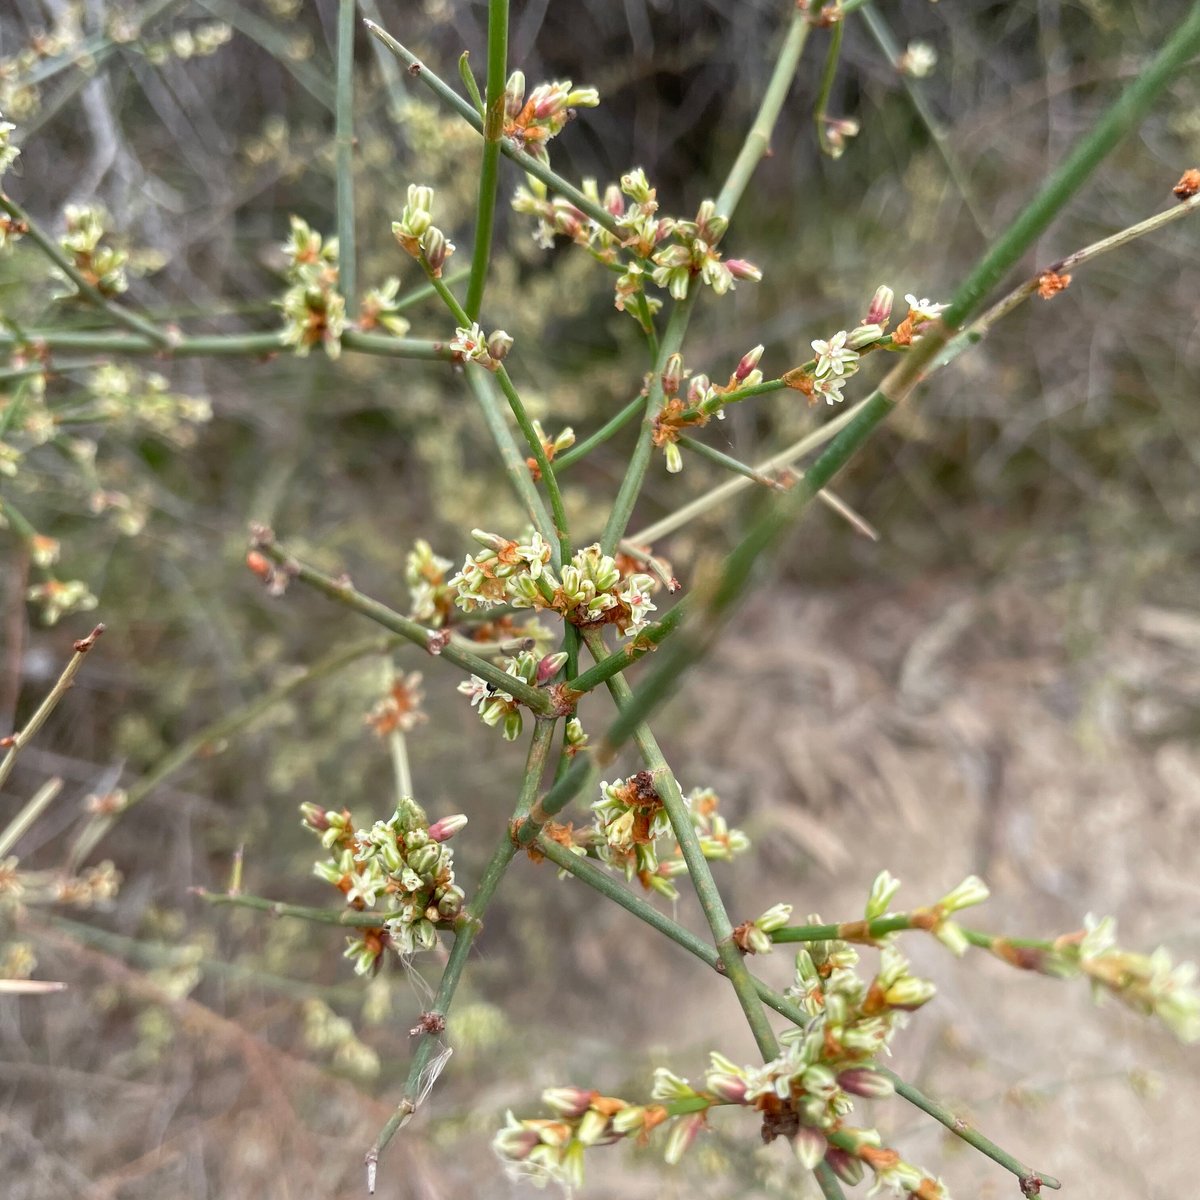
x,y
799,380
1189,185
430,1022
563,697
741,936
1050,283
85,644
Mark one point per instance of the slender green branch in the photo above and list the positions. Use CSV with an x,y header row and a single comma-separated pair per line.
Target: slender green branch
x,y
344,155
16,742
51,249
646,641
219,730
36,805
827,1181
493,135
603,883
729,463
613,425
758,140
231,345
828,75
516,468
707,892
467,929
277,908
436,642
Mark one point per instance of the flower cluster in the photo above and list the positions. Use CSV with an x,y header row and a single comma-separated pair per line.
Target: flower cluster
x,y
8,152
417,234
379,309
128,397
550,446
550,1149
90,888
805,1094
675,251
471,344
532,122
400,710
589,590
405,861
101,265
314,310
631,833
200,41
430,596
685,408
58,597
496,706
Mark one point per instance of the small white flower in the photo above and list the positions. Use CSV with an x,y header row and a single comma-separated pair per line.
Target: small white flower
x,y
923,310
475,688
834,357
918,60
831,388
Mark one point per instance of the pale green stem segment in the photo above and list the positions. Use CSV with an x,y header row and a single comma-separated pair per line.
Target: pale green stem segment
x,y
219,345
828,75
828,1182
436,642
344,155
493,136
604,883
347,917
224,727
613,425
51,249
16,742
467,929
23,821
732,963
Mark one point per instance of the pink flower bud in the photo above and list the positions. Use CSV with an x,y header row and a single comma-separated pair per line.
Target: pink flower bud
x,y
862,1081
810,1146
498,345
614,202
672,375
568,1101
880,311
739,268
729,1088
747,362
446,828
550,666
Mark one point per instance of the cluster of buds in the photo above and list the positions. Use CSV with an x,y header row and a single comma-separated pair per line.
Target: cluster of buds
x,y
934,918
57,597
379,309
532,122
101,265
550,446
632,833
837,358
1147,983
200,41
675,251
404,860
692,406
8,152
400,710
590,590
128,397
430,596
550,1149
91,888
418,235
471,344
496,706
314,310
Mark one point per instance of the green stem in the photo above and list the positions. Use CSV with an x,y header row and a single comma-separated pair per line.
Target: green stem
x,y
321,916
436,642
707,892
828,75
37,804
827,1181
17,741
603,883
728,463
344,155
493,135
217,345
224,727
51,249
613,425
468,928
613,664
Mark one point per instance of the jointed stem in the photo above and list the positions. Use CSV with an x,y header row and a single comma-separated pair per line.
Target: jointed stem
x,y
344,154
613,425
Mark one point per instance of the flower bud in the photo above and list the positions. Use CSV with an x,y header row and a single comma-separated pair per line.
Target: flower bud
x,y
420,198
971,891
909,992
883,889
739,268
313,816
951,935
499,344
862,1081
698,389
445,828
568,1101
747,363
880,312
437,249
845,1166
810,1146
636,186
674,458
550,666
614,202
672,375
514,93
592,1128
776,917
512,726
726,1087
683,1134
863,335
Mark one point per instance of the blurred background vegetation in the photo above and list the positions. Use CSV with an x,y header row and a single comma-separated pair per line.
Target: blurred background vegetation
x,y
1005,681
